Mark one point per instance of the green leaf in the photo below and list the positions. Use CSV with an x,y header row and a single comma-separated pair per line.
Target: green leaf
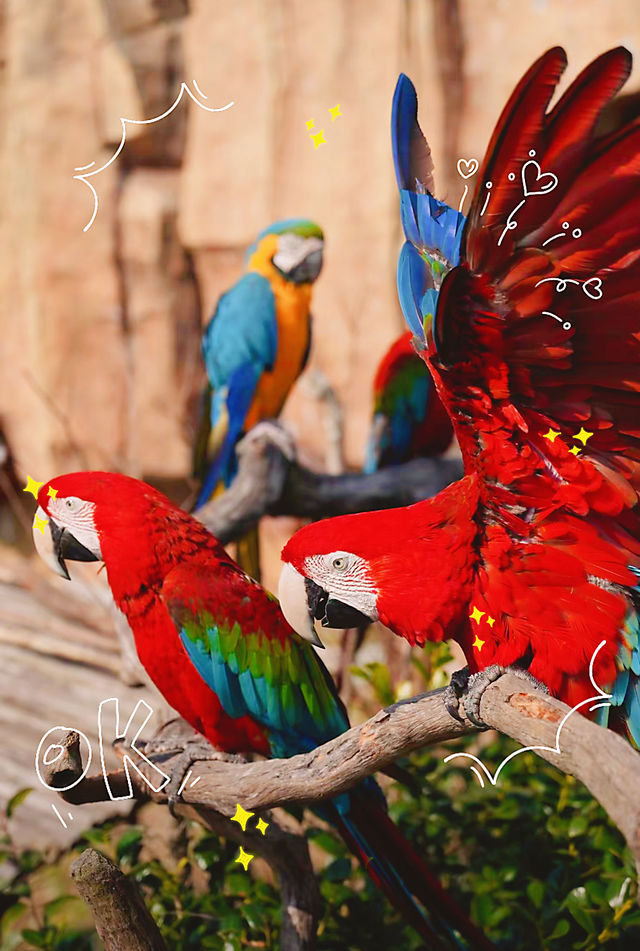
x,y
578,826
16,800
12,915
535,891
56,905
338,870
39,939
561,928
129,845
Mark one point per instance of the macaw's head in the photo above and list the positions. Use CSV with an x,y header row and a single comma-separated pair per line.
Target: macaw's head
x,y
293,247
335,571
98,516
409,568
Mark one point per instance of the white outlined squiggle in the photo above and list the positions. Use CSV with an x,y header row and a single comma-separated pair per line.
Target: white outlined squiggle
x,y
600,696
83,168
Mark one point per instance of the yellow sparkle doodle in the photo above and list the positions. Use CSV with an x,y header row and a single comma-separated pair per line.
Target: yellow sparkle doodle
x,y
490,621
318,139
478,644
310,125
244,858
476,615
551,435
242,817
335,112
51,492
575,450
262,826
33,487
40,523
583,435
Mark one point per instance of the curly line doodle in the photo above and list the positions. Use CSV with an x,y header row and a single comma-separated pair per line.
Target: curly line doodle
x,y
576,233
96,171
565,326
467,168
592,287
534,182
488,186
603,700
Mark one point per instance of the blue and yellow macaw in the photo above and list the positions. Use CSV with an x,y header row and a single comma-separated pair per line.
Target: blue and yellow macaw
x,y
256,344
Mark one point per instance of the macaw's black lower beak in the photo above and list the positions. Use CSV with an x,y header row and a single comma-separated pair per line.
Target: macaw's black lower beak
x,y
331,612
67,548
338,614
307,271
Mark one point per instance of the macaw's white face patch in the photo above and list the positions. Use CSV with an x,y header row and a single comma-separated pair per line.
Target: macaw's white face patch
x,y
346,577
293,249
66,532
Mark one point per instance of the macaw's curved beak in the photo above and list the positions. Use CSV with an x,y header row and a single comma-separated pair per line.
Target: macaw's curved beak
x,y
308,269
57,545
294,603
303,602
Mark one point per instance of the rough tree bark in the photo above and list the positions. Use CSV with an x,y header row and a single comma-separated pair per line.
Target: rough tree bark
x,y
603,761
271,482
122,919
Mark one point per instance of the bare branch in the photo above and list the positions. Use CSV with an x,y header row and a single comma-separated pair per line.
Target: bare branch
x,y
606,763
122,919
271,482
288,856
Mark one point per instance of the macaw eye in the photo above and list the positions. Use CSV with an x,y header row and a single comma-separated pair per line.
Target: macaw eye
x,y
339,563
72,503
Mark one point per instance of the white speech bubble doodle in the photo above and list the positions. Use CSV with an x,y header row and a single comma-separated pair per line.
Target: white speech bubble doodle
x,y
83,168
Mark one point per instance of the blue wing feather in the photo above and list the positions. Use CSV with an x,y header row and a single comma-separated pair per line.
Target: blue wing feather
x,y
239,344
625,693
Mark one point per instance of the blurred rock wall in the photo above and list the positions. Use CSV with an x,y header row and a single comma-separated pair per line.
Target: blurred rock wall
x,y
99,343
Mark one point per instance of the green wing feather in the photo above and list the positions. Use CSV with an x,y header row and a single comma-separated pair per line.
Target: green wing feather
x,y
244,650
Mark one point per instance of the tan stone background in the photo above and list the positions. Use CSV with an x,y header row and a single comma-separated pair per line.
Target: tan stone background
x,y
99,335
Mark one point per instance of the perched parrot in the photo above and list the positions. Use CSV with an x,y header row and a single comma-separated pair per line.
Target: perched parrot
x,y
256,344
529,314
218,648
409,419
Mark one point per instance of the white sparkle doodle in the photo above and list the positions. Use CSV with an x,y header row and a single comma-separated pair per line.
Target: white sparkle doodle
x,y
83,168
534,182
471,167
576,233
60,817
601,699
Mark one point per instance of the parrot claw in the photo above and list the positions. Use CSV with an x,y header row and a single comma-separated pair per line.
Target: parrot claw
x,y
470,689
270,431
196,750
455,690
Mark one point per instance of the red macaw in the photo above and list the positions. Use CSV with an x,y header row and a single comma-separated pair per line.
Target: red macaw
x,y
409,419
216,645
531,332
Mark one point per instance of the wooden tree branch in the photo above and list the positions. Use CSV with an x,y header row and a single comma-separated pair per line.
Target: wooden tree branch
x,y
122,919
288,856
606,763
271,482
286,853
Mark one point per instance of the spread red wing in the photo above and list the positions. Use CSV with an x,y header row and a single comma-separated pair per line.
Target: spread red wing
x,y
536,353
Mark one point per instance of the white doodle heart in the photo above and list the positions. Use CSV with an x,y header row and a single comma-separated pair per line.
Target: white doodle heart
x,y
542,184
471,166
593,288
